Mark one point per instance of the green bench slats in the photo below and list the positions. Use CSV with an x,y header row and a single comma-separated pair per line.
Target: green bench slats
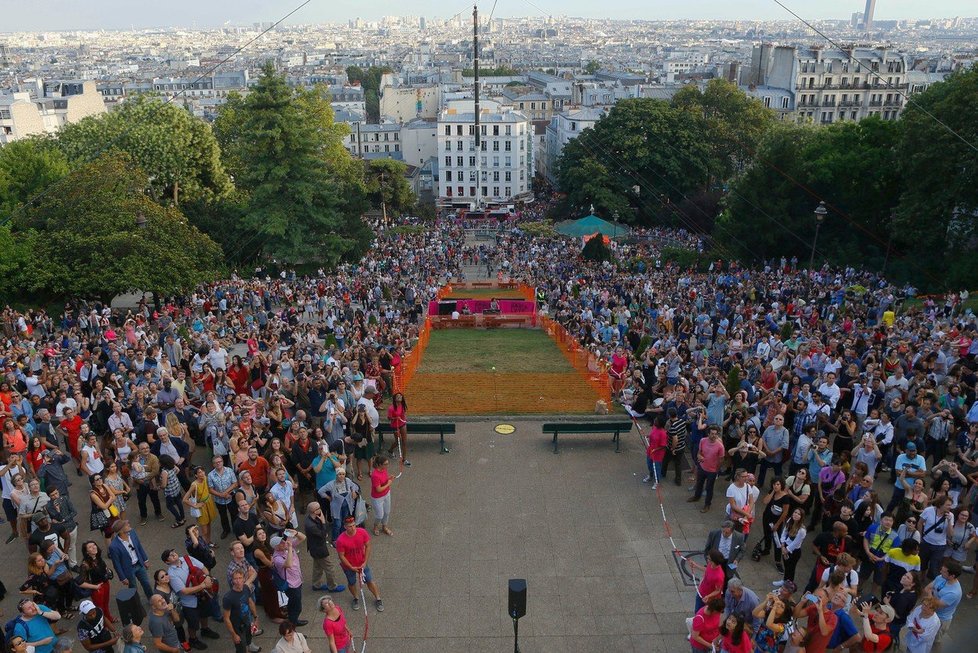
x,y
419,428
587,427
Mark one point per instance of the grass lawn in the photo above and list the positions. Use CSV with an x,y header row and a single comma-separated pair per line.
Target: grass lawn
x,y
479,350
484,293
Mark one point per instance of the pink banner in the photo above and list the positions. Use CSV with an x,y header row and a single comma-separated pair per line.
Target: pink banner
x,y
506,306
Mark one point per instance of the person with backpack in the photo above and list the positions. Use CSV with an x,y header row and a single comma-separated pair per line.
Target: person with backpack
x,y
33,624
189,579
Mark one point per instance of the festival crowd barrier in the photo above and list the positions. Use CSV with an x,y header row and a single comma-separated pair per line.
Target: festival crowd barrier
x,y
587,364
409,364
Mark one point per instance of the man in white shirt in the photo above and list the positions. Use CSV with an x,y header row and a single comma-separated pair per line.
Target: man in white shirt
x,y
218,356
120,420
368,400
830,391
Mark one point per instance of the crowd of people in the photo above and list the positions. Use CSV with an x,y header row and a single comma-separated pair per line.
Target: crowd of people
x,y
846,432
243,416
842,430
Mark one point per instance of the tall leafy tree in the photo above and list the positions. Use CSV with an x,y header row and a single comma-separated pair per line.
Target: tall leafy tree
x,y
769,208
626,149
101,235
296,202
177,150
735,121
28,167
938,211
387,187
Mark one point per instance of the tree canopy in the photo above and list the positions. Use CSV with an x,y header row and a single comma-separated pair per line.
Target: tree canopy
x,y
290,162
387,186
88,241
177,150
27,167
628,148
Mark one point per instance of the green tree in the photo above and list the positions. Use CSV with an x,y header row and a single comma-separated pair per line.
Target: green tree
x,y
592,67
89,243
387,186
28,167
369,79
596,250
735,121
625,149
177,150
296,199
769,209
939,200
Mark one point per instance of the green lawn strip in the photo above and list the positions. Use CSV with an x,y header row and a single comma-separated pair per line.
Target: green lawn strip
x,y
479,350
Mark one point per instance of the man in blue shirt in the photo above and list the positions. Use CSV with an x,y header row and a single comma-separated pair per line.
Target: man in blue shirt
x,y
916,467
946,588
34,625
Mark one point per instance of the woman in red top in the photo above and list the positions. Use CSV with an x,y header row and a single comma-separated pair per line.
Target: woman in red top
x,y
380,494
334,625
656,452
711,586
736,639
397,416
35,451
619,365
705,628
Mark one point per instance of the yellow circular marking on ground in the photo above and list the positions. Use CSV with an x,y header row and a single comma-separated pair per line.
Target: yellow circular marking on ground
x,y
504,429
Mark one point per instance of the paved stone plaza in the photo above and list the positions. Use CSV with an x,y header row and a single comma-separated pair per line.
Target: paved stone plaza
x,y
580,526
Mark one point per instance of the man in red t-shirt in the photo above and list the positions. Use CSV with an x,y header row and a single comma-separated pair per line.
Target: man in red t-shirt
x,y
70,427
258,467
822,620
353,547
709,457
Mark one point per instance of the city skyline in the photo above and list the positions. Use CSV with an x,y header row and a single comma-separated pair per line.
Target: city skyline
x,y
61,15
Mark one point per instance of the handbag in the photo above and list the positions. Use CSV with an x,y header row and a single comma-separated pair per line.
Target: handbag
x,y
360,511
113,510
194,510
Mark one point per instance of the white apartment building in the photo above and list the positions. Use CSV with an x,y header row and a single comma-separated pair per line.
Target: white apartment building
x,y
46,107
381,141
830,85
563,128
505,162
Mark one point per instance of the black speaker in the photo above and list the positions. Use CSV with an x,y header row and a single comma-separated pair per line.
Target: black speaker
x,y
446,307
517,597
131,611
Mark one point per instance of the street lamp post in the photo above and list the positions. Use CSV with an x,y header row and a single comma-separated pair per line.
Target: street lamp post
x,y
820,214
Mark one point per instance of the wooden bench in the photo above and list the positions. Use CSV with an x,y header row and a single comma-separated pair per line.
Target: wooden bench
x,y
589,427
419,428
491,321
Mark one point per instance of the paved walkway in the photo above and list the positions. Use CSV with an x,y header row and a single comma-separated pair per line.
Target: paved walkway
x,y
580,526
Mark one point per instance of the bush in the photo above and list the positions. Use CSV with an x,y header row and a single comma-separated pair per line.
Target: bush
x,y
595,250
539,229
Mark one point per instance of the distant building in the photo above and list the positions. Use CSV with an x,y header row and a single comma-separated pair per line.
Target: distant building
x,y
830,85
505,160
868,15
43,108
563,128
405,103
381,141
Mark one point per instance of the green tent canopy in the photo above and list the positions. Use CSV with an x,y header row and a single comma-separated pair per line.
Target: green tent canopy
x,y
591,224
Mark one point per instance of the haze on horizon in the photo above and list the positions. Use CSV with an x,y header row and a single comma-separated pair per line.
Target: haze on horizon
x,y
61,15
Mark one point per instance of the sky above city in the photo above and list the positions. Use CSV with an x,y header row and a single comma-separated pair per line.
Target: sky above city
x,y
56,15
